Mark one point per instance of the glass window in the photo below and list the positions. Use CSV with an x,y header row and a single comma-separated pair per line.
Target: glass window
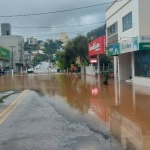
x,y
142,63
127,21
112,29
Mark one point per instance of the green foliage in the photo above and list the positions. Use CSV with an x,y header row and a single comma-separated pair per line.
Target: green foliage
x,y
77,47
96,33
52,46
61,63
38,58
106,75
104,60
30,48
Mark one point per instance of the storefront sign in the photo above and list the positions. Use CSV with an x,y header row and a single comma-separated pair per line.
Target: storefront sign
x,y
97,46
144,46
144,38
4,53
113,50
129,45
93,60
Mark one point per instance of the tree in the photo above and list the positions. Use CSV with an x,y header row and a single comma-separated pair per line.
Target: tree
x,y
80,44
96,33
61,63
52,46
38,58
78,47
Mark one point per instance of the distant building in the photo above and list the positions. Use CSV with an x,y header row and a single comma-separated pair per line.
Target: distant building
x,y
64,38
5,29
27,58
16,46
32,40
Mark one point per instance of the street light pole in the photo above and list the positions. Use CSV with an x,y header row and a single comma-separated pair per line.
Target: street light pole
x,y
12,47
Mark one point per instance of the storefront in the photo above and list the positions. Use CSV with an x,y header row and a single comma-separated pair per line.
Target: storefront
x,y
96,48
4,58
132,59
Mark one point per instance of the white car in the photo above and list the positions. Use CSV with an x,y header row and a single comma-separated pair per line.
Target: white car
x,y
30,70
38,66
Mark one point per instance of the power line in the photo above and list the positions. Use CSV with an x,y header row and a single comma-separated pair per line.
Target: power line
x,y
59,11
67,32
80,25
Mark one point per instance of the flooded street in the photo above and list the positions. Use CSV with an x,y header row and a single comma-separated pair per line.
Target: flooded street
x,y
72,112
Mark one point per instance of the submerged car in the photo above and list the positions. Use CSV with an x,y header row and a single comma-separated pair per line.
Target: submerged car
x,y
30,70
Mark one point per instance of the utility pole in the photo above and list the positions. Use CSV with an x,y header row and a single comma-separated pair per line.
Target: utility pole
x,y
12,53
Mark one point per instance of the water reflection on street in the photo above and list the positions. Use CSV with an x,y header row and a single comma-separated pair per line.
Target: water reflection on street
x,y
124,107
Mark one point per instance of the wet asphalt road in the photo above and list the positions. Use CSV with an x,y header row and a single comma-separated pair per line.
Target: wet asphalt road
x,y
71,112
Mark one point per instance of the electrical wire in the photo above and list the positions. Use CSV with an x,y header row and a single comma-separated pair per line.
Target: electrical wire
x,y
58,11
81,25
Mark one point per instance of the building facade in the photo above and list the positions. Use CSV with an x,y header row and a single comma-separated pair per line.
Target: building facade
x,y
128,40
5,29
32,40
16,46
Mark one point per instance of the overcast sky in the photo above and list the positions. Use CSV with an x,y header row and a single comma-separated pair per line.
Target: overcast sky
x,y
85,17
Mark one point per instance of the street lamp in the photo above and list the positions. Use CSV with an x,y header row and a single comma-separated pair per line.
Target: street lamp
x,y
12,53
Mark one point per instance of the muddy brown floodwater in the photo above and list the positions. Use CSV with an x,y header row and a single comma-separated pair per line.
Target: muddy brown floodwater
x,y
124,109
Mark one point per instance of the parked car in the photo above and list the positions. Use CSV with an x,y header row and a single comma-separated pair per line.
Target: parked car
x,y
38,66
30,70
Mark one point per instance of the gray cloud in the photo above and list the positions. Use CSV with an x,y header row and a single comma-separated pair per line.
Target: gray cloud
x,y
69,18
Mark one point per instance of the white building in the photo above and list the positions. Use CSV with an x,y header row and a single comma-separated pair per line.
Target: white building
x,y
128,39
16,46
32,40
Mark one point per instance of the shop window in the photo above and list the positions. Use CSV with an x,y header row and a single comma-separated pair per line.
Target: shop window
x,y
127,21
142,63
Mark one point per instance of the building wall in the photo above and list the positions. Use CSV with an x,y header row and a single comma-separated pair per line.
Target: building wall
x,y
124,66
5,29
115,7
144,10
18,51
119,10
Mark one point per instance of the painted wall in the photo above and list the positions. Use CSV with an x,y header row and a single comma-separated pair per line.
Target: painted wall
x,y
124,66
90,70
114,8
144,11
119,10
141,81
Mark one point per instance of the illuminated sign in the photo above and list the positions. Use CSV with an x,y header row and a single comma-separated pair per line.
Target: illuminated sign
x,y
93,60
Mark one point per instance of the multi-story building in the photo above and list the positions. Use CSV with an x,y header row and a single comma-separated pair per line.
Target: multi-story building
x,y
5,29
32,40
128,40
16,46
